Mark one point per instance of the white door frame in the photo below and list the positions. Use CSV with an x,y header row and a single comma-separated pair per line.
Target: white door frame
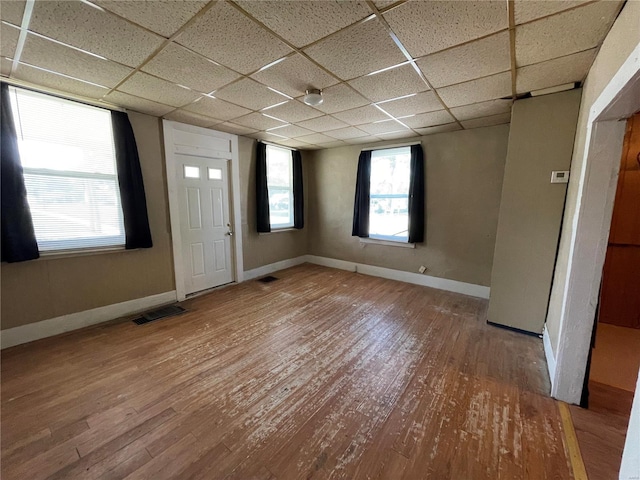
x,y
172,186
598,181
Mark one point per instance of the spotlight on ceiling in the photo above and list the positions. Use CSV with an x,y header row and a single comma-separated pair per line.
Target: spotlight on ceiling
x,y
313,97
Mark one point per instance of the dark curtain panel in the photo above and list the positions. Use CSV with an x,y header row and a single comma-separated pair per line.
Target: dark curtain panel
x,y
361,202
18,238
262,192
416,196
132,196
298,191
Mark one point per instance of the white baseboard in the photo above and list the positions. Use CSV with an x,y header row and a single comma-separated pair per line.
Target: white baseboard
x,y
548,353
74,321
401,276
274,267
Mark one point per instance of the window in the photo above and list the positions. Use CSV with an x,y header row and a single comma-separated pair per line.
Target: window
x,y
389,194
68,156
280,187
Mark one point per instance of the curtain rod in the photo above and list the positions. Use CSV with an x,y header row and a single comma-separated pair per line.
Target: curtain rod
x,y
397,145
276,145
66,96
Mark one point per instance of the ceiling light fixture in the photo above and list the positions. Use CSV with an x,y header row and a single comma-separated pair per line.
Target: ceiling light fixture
x,y
313,97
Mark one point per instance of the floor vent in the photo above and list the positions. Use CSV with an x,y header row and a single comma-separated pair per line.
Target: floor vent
x,y
163,312
267,279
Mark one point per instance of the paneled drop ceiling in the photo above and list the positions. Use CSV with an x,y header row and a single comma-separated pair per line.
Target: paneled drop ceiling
x,y
388,69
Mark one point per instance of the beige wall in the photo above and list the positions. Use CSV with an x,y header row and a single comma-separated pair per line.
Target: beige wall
x,y
263,249
540,141
620,42
464,173
47,288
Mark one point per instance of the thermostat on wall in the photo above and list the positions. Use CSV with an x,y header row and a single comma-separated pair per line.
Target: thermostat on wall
x,y
560,176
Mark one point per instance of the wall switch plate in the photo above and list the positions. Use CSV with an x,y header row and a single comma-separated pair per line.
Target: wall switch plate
x,y
560,176
422,269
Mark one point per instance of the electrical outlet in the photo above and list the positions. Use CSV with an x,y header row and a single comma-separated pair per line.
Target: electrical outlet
x,y
422,269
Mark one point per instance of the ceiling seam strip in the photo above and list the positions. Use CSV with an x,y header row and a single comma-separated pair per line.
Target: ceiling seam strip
x,y
163,45
406,53
301,52
512,47
22,38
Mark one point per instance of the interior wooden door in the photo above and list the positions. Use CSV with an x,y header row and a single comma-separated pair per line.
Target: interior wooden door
x,y
620,294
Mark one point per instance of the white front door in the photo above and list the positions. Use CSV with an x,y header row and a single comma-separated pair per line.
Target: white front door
x,y
205,227
203,183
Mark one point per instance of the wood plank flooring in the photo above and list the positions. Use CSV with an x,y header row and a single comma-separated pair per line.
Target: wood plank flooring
x,y
320,374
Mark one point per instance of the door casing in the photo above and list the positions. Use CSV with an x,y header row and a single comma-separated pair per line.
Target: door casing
x,y
229,151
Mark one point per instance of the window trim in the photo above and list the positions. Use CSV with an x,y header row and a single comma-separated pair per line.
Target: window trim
x,y
388,239
112,242
290,225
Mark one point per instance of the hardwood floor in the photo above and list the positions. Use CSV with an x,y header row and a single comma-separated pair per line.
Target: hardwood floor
x,y
321,374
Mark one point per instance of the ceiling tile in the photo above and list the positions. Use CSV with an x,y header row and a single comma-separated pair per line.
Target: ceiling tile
x,y
316,139
227,36
99,32
569,69
137,104
449,127
322,124
482,109
565,33
8,40
53,56
294,76
428,119
476,91
363,140
250,94
420,103
340,97
271,137
383,3
158,90
527,10
179,65
293,111
214,107
335,144
398,134
58,82
302,23
382,127
427,27
294,143
390,84
257,121
162,16
12,11
466,62
5,66
234,129
487,121
344,133
361,115
191,118
291,131
364,48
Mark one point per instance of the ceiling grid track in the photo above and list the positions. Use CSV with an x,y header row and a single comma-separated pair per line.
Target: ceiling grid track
x,y
512,47
362,13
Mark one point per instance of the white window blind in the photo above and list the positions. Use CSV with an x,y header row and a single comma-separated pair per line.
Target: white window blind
x,y
67,153
280,186
389,194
